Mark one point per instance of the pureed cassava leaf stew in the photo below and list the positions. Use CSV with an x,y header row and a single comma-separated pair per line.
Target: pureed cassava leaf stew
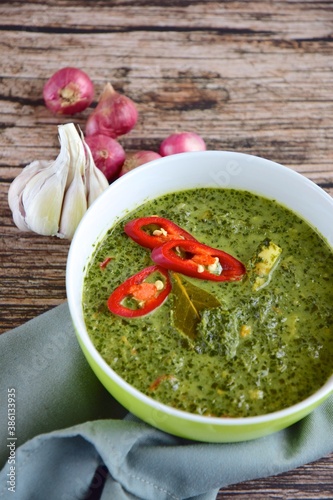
x,y
221,348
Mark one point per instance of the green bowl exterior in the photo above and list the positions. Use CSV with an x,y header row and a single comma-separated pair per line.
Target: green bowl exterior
x,y
188,428
191,170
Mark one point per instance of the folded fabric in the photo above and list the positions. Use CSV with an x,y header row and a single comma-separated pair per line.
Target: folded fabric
x,y
66,437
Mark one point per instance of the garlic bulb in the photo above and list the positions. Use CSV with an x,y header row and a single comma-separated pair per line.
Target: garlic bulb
x,y
50,198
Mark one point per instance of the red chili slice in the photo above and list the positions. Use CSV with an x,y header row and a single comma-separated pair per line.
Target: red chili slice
x,y
153,231
137,297
198,261
105,262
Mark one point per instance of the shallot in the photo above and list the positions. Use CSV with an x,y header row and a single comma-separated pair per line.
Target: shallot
x,y
68,91
182,142
107,153
136,159
115,114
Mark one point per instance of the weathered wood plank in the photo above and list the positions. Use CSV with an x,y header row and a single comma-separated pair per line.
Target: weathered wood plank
x,y
291,485
267,18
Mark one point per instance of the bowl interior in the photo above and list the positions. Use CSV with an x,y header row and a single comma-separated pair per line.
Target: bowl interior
x,y
175,173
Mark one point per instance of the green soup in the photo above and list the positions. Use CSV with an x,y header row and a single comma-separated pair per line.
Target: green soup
x,y
254,350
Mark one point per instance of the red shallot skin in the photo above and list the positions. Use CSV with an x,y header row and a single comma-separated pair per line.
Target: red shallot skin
x,y
107,153
115,114
182,142
136,159
68,91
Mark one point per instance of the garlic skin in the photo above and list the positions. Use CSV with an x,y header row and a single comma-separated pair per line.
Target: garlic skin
x,y
76,151
50,198
96,180
74,207
16,190
43,195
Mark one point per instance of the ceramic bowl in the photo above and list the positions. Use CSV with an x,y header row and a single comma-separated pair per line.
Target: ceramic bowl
x,y
179,172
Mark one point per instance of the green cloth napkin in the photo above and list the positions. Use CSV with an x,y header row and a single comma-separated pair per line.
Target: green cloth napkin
x,y
69,436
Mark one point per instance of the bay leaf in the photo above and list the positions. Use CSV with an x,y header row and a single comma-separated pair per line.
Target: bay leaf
x,y
189,301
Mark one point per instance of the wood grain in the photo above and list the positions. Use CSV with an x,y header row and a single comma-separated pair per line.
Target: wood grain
x,y
254,77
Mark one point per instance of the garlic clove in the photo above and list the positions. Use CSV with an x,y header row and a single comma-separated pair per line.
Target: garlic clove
x,y
43,195
96,187
42,201
77,158
74,207
16,189
96,182
18,184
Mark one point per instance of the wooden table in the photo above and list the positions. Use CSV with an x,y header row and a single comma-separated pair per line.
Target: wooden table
x,y
254,77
